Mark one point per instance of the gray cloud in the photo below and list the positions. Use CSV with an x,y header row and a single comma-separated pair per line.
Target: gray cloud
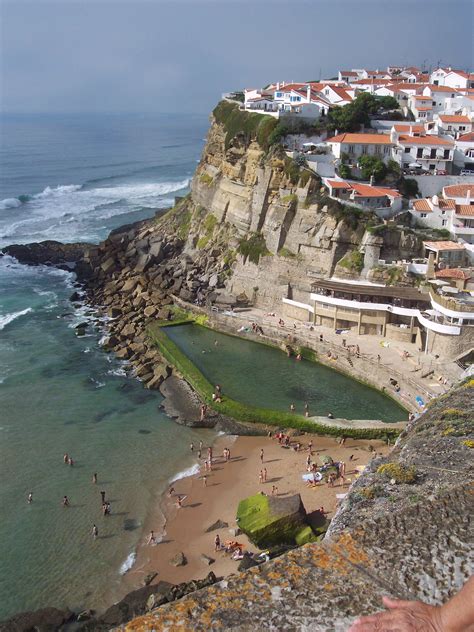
x,y
180,56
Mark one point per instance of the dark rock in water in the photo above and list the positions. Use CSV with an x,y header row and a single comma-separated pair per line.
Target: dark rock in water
x,y
141,431
218,524
83,325
179,559
75,297
85,615
47,252
44,620
130,525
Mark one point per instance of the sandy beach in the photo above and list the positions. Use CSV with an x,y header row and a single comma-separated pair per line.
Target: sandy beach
x,y
227,484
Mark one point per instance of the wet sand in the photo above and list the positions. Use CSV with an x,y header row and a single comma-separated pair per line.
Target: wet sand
x,y
227,484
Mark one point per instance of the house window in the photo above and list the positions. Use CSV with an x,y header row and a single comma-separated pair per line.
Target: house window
x,y
407,150
443,212
432,153
462,128
422,215
386,150
422,114
350,149
364,149
446,154
419,152
432,167
278,95
450,127
444,222
433,102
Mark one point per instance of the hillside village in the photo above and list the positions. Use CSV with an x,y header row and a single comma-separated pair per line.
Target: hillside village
x,y
399,144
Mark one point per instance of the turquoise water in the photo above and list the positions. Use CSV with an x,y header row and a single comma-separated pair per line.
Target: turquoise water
x,y
73,177
259,375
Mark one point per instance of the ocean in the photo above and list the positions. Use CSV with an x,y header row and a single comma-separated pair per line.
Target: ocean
x,y
75,178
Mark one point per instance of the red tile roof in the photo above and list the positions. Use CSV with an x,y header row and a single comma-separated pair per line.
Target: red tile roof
x,y
405,127
467,137
363,190
465,210
422,206
361,139
426,204
440,88
339,184
443,245
458,190
429,139
454,118
453,273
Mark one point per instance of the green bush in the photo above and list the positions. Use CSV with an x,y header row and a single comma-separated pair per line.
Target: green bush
x,y
408,187
206,179
210,223
251,125
345,171
253,247
292,170
372,166
246,413
353,261
400,473
203,241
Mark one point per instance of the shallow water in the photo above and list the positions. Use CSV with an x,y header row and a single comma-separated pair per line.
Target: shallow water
x,y
259,375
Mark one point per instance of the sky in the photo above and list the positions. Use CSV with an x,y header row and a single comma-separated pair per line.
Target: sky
x,y
181,55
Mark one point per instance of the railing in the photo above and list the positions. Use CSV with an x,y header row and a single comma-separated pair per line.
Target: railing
x,y
451,307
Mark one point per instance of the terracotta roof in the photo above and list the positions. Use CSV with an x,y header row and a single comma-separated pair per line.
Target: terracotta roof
x,y
341,92
339,184
443,245
418,98
467,137
403,139
290,86
405,127
458,190
422,205
453,273
424,109
366,190
440,88
454,118
465,210
361,139
349,73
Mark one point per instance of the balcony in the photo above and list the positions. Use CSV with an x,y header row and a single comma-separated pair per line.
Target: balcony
x,y
459,307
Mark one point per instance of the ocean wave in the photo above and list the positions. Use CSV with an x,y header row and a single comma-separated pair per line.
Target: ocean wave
x,y
61,189
127,565
190,471
10,203
8,318
120,372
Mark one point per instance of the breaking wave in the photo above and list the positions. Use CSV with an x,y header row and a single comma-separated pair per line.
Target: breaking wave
x,y
127,565
8,318
190,471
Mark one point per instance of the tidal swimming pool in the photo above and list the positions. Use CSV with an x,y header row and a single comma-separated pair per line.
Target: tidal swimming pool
x,y
259,375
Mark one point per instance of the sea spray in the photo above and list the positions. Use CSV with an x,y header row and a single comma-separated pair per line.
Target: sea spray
x,y
8,318
129,562
190,471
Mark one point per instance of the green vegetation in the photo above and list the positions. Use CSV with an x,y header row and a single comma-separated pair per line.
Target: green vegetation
x,y
203,241
370,492
246,413
238,122
289,199
305,535
210,223
289,126
253,247
345,171
350,117
184,225
398,472
408,187
353,261
292,170
206,179
394,274
372,166
441,233
394,168
305,177
284,252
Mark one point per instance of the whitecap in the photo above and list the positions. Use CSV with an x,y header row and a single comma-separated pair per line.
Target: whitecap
x,y
190,471
120,372
62,189
9,203
127,565
8,318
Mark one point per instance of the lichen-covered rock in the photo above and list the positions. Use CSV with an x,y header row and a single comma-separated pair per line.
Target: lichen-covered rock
x,y
270,520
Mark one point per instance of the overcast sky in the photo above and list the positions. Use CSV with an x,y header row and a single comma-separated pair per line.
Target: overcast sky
x,y
142,56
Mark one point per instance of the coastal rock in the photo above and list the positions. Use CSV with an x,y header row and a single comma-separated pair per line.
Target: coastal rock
x,y
149,577
155,600
150,311
246,563
47,252
124,354
271,520
85,615
235,531
114,312
207,560
179,559
42,620
218,524
133,604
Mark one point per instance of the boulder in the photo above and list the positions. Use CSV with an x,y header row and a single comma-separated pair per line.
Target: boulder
x,y
149,577
179,559
207,560
130,285
124,354
114,312
150,311
246,563
155,600
38,620
218,524
271,520
132,605
235,531
108,265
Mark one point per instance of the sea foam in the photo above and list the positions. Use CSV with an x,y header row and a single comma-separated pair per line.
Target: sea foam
x,y
8,318
127,565
190,471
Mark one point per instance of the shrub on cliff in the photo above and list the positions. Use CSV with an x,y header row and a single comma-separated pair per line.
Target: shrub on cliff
x,y
250,125
398,472
253,247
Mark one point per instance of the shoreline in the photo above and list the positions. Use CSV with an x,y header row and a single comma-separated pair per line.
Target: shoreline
x,y
185,530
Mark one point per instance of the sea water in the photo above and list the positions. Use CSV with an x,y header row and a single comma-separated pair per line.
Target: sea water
x,y
74,178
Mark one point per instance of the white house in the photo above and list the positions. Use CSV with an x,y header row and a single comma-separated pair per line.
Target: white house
x,y
460,193
446,212
459,79
433,153
337,95
357,145
365,196
439,95
453,124
464,151
421,107
433,212
347,75
438,76
300,99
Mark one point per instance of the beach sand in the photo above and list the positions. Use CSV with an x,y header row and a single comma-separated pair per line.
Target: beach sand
x,y
227,484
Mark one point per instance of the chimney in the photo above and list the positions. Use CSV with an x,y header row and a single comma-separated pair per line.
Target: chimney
x,y
278,85
308,94
430,268
411,130
393,136
372,180
468,197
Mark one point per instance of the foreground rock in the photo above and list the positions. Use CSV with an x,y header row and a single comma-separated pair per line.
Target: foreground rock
x,y
40,620
47,253
271,520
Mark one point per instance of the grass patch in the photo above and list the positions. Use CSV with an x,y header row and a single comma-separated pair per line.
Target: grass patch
x,y
246,413
353,261
400,473
289,199
253,247
284,252
206,179
239,122
203,241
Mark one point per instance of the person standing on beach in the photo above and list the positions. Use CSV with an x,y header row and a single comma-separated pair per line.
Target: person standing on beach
x,y
151,538
217,543
94,479
30,498
261,455
102,495
95,532
199,454
260,477
179,502
264,474
71,462
204,480
65,501
200,443
191,446
66,458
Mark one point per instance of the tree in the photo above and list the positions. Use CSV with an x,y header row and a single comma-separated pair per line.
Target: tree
x,y
388,103
350,117
344,171
372,166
